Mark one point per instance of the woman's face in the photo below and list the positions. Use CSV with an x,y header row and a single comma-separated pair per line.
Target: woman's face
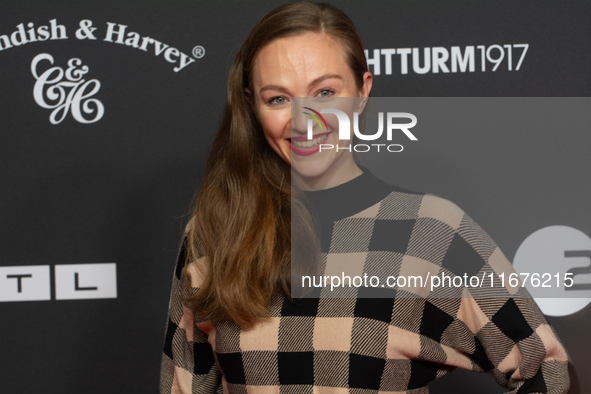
x,y
306,65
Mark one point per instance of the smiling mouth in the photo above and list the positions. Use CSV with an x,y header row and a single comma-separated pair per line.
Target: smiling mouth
x,y
308,143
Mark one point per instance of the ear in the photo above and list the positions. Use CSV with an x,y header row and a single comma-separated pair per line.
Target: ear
x,y
364,91
248,95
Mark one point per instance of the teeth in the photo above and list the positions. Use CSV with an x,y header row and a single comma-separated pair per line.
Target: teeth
x,y
309,144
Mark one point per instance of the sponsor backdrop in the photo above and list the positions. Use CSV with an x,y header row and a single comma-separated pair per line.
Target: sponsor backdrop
x,y
106,113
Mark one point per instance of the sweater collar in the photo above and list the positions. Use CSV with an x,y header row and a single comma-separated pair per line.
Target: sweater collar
x,y
349,198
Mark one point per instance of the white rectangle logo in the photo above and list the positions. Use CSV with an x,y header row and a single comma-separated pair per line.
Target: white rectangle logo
x,y
83,281
25,283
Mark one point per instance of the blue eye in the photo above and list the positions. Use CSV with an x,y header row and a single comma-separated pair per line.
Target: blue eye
x,y
277,100
326,93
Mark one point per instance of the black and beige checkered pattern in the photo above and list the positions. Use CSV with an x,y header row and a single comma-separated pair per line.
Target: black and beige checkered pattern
x,y
397,343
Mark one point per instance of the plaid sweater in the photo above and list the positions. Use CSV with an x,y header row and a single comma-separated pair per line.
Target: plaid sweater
x,y
364,345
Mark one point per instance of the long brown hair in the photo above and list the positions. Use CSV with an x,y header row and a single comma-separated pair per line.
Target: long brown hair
x,y
245,205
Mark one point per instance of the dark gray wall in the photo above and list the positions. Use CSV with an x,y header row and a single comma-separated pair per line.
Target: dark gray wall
x,y
115,191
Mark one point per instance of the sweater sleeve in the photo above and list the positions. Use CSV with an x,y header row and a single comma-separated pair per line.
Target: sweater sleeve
x,y
188,364
512,339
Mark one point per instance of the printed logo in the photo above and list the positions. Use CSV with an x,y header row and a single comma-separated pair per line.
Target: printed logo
x,y
70,281
558,262
116,34
316,119
440,59
344,125
73,93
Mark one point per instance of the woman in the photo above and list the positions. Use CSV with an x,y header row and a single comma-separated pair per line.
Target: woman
x,y
233,326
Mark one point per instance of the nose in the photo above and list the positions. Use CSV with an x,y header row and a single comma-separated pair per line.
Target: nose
x,y
299,121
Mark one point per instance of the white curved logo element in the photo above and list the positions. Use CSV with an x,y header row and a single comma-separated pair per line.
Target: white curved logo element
x,y
562,252
73,93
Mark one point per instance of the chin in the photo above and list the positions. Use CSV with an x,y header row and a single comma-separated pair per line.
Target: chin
x,y
308,172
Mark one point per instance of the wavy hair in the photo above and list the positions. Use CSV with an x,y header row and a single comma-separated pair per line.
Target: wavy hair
x,y
245,210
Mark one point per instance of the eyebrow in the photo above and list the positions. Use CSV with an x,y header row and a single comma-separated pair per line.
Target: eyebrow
x,y
314,82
